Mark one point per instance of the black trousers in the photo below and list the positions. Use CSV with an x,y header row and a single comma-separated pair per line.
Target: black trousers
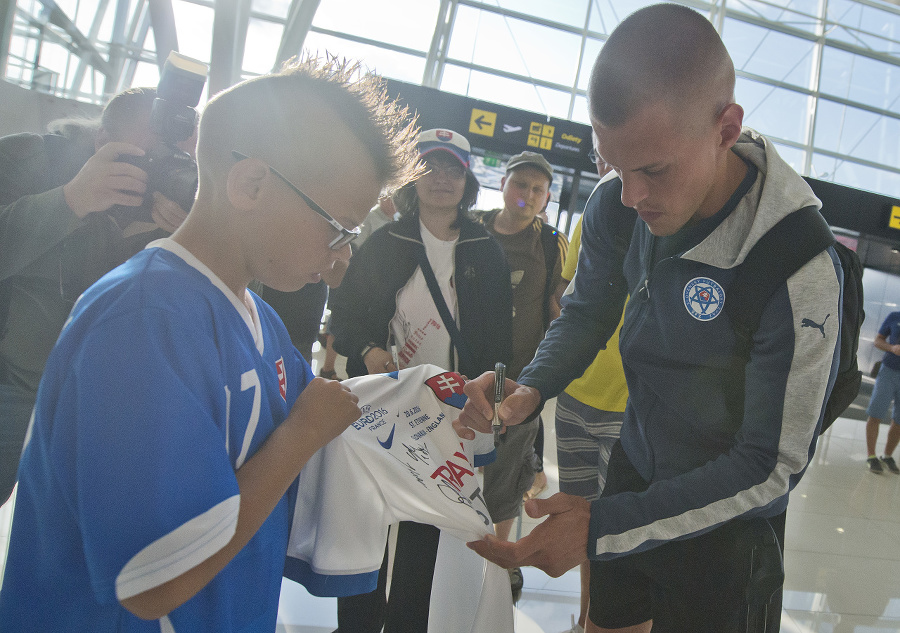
x,y
406,609
696,585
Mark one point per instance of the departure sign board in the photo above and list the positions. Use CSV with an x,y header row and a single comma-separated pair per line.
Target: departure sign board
x,y
499,129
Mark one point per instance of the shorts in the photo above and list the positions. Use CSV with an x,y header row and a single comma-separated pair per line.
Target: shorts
x,y
584,438
510,476
885,391
695,584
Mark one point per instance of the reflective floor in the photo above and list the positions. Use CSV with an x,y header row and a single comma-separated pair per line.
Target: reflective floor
x,y
842,552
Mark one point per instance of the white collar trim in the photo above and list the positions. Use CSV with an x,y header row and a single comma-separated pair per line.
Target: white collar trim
x,y
247,309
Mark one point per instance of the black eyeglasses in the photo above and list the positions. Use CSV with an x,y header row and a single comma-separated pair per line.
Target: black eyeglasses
x,y
450,170
592,155
345,235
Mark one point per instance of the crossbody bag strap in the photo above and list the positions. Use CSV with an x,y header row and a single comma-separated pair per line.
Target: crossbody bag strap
x,y
441,305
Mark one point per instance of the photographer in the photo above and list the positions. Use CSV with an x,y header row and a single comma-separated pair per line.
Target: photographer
x,y
70,210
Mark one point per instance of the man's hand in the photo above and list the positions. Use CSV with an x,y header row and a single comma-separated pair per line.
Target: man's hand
x,y
105,181
379,361
554,546
325,408
478,412
167,215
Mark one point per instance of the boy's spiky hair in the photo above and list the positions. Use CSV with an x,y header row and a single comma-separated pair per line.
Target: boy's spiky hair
x,y
391,137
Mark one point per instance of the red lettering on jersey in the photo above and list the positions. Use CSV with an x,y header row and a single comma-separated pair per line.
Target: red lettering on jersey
x,y
452,472
282,378
444,473
459,471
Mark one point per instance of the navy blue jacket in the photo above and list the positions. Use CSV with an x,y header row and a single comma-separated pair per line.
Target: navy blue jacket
x,y
715,437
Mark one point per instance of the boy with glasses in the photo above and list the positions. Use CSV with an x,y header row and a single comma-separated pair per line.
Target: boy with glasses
x,y
174,413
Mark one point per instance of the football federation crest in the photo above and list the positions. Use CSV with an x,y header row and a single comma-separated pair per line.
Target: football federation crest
x,y
703,298
448,386
282,378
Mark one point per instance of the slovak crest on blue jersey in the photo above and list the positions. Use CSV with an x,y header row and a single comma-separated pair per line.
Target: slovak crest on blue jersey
x,y
448,387
282,378
704,298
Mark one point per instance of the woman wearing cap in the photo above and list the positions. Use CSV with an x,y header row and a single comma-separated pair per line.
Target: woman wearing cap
x,y
384,318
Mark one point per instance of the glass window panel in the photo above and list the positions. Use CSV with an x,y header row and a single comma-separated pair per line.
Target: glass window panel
x,y
571,12
385,62
261,48
488,199
510,92
854,175
867,26
54,57
92,83
193,25
496,41
150,41
858,133
580,110
275,8
800,14
606,14
773,111
22,48
859,78
146,74
769,53
106,26
591,50
408,23
82,14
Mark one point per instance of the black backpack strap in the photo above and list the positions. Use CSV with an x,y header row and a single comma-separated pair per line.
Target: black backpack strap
x,y
465,358
550,245
781,252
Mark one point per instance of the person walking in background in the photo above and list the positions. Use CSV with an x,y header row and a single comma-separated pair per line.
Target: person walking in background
x,y
885,393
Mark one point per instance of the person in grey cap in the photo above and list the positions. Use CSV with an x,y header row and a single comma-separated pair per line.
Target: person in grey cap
x,y
535,252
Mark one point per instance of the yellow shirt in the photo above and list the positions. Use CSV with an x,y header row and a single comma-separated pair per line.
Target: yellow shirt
x,y
602,385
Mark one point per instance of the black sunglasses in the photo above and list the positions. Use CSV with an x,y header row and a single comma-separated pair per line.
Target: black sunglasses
x,y
345,235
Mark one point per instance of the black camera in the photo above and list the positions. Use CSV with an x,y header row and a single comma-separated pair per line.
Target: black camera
x,y
170,171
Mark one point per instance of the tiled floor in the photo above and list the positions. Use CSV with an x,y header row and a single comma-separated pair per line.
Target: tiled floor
x,y
842,552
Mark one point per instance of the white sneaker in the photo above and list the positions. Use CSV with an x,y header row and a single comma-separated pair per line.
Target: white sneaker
x,y
576,628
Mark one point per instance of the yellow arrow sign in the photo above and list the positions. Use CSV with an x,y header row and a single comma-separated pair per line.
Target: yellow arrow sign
x,y
894,222
482,122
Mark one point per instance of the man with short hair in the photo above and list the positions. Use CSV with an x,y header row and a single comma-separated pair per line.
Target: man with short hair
x,y
535,252
711,442
174,413
68,215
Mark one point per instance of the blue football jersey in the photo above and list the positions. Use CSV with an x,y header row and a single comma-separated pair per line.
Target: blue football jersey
x,y
161,385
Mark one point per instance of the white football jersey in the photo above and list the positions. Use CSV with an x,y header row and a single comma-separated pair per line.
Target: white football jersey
x,y
401,461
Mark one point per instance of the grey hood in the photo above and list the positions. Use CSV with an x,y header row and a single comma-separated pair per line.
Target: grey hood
x,y
778,191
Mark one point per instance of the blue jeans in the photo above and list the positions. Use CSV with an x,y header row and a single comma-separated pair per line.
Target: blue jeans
x,y
15,413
